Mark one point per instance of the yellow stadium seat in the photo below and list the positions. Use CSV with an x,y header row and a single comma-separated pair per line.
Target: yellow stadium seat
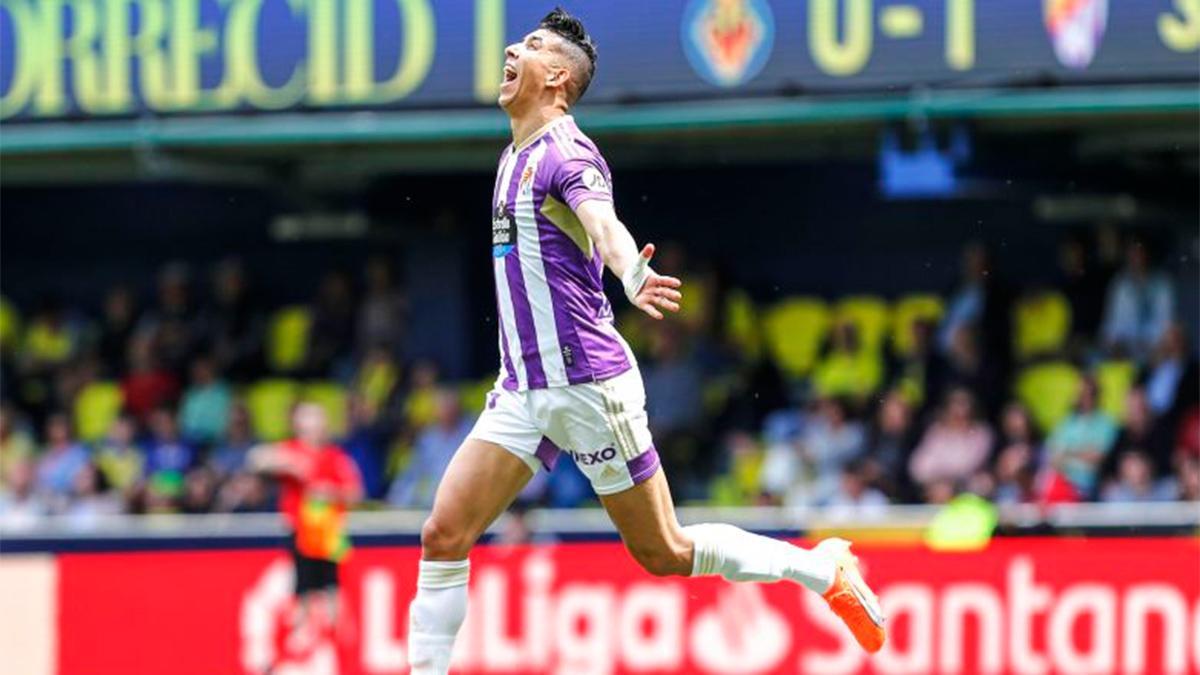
x,y
1115,379
632,324
96,406
420,407
794,330
1041,325
287,339
742,324
10,326
45,344
844,374
1049,390
270,404
906,313
473,395
869,315
376,381
332,397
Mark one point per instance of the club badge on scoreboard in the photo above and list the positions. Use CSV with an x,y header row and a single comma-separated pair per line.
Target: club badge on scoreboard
x,y
1076,29
728,42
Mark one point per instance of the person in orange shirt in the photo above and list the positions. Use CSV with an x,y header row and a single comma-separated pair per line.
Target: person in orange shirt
x,y
318,482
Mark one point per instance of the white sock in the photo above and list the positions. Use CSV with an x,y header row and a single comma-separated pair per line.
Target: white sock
x,y
738,555
435,615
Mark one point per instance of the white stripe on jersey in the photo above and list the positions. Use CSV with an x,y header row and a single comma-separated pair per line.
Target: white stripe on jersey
x,y
504,295
566,146
534,271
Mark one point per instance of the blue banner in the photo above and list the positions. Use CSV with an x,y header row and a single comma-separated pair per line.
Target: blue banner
x,y
119,58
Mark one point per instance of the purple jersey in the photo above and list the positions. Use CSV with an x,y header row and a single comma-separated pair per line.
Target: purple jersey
x,y
556,325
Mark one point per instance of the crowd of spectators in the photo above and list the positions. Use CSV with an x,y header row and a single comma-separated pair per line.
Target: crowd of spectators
x,y
153,405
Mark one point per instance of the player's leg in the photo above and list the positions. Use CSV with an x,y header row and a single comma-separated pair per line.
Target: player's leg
x,y
645,517
631,485
481,481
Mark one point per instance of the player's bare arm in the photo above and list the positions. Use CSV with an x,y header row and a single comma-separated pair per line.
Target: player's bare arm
x,y
647,290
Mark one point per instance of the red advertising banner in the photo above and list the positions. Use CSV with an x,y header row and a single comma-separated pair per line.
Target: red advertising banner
x,y
1022,605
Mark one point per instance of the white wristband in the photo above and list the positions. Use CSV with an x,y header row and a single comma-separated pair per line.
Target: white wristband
x,y
635,277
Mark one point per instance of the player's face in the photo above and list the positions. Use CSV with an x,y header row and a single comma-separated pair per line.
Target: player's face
x,y
529,66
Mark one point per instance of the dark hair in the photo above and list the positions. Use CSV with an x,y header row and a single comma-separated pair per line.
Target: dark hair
x,y
571,29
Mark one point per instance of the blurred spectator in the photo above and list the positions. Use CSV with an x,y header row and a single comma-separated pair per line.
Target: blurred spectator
x,y
146,386
1079,443
1017,457
675,406
1135,481
204,414
739,482
954,447
175,322
20,504
199,490
166,452
90,498
162,492
16,444
431,453
333,323
890,439
116,329
61,460
966,365
1172,380
237,327
855,499
674,384
118,458
830,440
376,380
318,484
366,443
419,406
1188,478
1187,440
229,455
980,300
1144,431
1083,285
382,314
1140,305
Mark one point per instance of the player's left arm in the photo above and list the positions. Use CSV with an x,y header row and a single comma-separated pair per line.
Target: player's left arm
x,y
646,289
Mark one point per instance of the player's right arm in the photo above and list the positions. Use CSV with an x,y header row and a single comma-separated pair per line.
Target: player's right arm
x,y
270,459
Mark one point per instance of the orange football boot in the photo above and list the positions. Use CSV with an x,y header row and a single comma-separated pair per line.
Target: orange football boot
x,y
851,599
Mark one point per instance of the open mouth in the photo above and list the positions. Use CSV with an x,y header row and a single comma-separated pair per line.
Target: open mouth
x,y
510,73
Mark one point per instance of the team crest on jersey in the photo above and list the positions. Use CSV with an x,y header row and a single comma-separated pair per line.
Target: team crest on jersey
x,y
526,184
1076,29
504,231
595,181
728,41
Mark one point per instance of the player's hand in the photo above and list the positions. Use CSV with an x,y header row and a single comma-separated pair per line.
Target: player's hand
x,y
659,292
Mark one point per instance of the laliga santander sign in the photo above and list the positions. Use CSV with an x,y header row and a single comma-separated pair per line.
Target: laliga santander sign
x,y
1030,606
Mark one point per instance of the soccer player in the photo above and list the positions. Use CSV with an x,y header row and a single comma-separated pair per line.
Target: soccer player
x,y
318,482
568,382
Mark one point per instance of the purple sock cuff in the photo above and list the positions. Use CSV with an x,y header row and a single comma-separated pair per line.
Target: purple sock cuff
x,y
642,467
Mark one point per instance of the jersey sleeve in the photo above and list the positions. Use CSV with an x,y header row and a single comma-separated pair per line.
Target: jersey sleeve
x,y
578,179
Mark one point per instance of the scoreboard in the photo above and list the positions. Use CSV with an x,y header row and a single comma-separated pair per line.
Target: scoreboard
x,y
70,59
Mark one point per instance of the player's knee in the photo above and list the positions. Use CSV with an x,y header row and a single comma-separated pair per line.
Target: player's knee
x,y
663,560
442,541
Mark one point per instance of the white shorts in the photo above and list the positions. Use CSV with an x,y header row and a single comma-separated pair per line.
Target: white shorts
x,y
601,425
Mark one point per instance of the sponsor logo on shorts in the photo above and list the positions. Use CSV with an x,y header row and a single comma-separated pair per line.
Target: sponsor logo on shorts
x,y
593,458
